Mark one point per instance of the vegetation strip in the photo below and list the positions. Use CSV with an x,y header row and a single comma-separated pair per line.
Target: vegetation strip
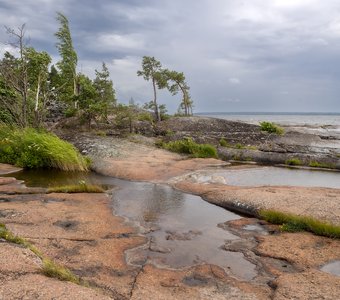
x,y
188,146
294,223
80,188
49,268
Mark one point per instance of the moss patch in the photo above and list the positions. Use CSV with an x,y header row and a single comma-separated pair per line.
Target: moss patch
x,y
293,162
316,164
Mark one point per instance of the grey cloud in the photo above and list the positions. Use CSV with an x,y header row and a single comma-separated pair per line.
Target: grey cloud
x,y
268,46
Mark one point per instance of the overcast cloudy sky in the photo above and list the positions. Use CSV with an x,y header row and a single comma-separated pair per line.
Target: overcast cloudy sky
x,y
237,55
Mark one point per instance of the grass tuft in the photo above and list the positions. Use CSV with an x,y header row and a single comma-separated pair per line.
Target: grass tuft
x,y
76,188
30,148
54,270
49,268
188,146
293,223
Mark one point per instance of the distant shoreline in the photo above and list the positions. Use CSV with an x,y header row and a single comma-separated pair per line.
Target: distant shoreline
x,y
270,113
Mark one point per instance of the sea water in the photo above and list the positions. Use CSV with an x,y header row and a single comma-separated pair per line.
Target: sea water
x,y
326,125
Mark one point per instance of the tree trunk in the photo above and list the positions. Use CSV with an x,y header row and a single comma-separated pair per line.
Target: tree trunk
x,y
24,79
158,116
36,106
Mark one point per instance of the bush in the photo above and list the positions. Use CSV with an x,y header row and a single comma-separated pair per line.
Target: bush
x,y
223,142
188,146
294,223
293,162
70,112
29,148
145,116
271,128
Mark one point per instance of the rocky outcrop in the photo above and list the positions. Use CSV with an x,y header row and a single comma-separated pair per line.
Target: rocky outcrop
x,y
210,130
246,142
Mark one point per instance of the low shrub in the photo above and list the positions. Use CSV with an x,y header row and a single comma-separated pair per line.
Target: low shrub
x,y
271,127
223,143
30,148
293,162
145,116
70,112
188,146
293,223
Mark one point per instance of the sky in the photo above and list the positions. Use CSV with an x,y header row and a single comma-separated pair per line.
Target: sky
x,y
237,55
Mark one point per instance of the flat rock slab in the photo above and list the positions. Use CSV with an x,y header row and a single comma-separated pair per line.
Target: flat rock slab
x,y
320,203
35,286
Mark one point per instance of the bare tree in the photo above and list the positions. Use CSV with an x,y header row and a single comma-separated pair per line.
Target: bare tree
x,y
14,72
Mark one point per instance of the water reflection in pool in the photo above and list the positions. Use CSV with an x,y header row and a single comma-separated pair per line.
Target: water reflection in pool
x,y
182,228
258,176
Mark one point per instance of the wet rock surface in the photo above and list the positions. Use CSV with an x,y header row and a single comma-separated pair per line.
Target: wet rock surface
x,y
80,232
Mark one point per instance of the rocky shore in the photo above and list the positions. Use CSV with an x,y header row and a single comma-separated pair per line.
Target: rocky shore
x,y
80,232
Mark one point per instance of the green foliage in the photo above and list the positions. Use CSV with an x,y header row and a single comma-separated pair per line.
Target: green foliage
x,y
239,146
125,117
271,127
292,223
188,146
178,83
152,70
293,162
145,116
29,148
82,187
70,112
69,59
316,164
105,92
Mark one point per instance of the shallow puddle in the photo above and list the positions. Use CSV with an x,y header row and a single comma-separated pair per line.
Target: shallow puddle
x,y
186,228
332,268
275,176
182,228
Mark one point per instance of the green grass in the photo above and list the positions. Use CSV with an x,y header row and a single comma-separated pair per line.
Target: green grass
x,y
293,223
54,270
188,146
49,268
271,127
30,148
316,164
76,188
293,162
